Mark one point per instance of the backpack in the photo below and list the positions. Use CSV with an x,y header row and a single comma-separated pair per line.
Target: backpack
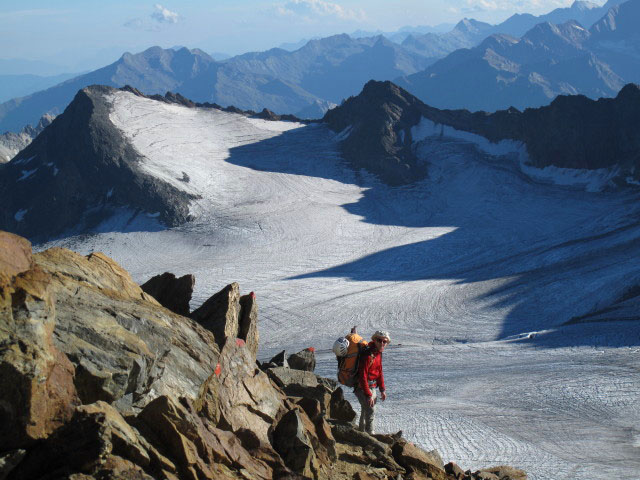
x,y
349,361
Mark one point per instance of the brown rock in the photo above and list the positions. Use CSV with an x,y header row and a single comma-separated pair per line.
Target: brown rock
x,y
125,349
303,360
311,407
291,441
389,438
454,470
365,476
37,394
96,270
171,292
199,450
415,459
285,377
15,254
330,383
505,472
248,324
485,475
323,431
379,453
97,438
339,408
239,395
219,314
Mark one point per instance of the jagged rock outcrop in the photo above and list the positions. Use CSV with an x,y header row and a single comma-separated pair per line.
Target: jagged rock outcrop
x,y
171,292
371,124
79,172
303,360
571,132
98,380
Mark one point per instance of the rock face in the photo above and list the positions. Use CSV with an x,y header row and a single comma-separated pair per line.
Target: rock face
x,y
371,124
571,132
172,293
98,380
36,379
303,360
79,172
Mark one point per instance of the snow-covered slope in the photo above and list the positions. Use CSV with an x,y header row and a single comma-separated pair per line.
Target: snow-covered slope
x,y
474,271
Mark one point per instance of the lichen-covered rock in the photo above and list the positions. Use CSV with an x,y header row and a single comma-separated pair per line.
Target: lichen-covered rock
x,y
171,292
125,349
37,393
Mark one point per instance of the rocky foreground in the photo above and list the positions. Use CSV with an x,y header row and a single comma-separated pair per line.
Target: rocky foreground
x,y
99,380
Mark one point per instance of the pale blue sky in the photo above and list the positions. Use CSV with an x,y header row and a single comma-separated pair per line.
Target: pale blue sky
x,y
91,33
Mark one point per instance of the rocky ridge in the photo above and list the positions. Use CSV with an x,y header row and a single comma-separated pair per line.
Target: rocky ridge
x,y
571,132
82,171
99,380
11,143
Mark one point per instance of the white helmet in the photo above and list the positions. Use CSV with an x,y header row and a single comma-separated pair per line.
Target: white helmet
x,y
382,334
340,347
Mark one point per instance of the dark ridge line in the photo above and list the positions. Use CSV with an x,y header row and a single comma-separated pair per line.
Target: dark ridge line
x,y
176,98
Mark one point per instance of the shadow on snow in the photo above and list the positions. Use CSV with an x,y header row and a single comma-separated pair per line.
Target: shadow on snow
x,y
556,252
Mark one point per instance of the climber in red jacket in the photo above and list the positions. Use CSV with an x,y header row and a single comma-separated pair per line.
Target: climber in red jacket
x,y
370,376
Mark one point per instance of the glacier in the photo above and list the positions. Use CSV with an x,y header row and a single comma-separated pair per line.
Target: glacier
x,y
474,270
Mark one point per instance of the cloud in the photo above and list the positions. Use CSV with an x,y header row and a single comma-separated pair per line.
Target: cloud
x,y
154,23
471,6
164,15
311,9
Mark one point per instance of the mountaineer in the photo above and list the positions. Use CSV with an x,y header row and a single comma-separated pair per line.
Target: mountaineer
x,y
369,377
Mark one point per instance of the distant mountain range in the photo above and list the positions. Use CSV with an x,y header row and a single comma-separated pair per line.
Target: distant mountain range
x,y
308,80
546,61
11,143
499,72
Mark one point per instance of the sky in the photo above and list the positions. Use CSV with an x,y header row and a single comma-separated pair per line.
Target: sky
x,y
76,35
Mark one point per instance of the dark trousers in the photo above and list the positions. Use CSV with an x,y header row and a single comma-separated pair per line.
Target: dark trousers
x,y
367,413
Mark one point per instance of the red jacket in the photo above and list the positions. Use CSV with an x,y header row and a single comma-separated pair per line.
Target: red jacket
x,y
370,371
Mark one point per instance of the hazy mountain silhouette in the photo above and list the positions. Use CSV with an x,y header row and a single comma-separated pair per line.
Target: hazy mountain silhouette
x,y
548,60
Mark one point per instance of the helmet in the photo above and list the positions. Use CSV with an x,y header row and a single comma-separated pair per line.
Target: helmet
x,y
382,334
340,347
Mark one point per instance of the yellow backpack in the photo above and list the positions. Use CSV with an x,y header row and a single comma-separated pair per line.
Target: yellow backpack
x,y
349,350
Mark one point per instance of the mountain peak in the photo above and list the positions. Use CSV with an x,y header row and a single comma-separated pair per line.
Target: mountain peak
x,y
583,5
377,128
469,25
